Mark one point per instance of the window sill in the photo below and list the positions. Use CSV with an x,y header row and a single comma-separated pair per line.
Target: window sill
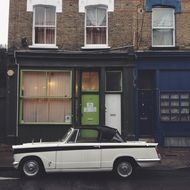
x,y
91,47
164,48
43,46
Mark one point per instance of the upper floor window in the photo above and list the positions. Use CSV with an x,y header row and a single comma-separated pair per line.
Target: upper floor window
x,y
96,27
163,27
44,25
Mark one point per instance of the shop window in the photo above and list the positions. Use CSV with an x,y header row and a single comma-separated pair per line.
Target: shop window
x,y
175,106
113,81
163,27
90,81
45,97
44,25
96,27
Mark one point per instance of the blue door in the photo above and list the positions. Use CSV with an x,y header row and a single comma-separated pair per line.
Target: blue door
x,y
146,113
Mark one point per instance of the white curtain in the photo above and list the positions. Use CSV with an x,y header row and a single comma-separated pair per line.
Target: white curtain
x,y
91,17
163,17
34,84
56,85
50,16
163,37
47,96
96,17
101,17
39,15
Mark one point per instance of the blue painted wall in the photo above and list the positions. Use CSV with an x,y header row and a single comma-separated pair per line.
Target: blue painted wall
x,y
172,73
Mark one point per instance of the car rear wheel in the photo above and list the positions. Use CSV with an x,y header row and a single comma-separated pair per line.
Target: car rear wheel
x,y
31,168
124,168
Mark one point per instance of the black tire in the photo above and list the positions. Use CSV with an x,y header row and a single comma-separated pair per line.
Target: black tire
x,y
124,168
31,168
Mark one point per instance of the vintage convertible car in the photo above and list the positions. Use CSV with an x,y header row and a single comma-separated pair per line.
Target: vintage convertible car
x,y
85,149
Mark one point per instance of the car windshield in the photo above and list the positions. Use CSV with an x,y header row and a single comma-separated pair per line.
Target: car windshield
x,y
66,135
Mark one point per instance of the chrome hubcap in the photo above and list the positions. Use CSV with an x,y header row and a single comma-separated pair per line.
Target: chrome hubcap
x,y
124,169
31,167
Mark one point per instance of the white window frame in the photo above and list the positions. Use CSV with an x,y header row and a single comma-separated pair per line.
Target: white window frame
x,y
96,46
85,3
56,3
173,28
38,45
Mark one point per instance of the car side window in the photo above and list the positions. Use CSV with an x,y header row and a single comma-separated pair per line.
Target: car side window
x,y
117,138
111,138
87,136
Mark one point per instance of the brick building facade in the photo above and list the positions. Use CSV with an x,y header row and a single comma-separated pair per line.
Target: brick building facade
x,y
129,24
122,42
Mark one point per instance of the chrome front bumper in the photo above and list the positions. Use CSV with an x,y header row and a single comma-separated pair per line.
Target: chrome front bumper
x,y
15,165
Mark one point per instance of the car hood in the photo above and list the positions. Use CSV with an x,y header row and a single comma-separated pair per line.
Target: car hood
x,y
36,144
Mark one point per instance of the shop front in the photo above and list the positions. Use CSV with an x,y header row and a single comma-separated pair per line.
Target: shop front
x,y
163,97
58,90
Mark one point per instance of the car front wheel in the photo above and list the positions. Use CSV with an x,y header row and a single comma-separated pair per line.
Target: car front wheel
x,y
124,169
31,168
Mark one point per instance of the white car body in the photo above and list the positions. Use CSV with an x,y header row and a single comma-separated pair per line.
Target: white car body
x,y
86,156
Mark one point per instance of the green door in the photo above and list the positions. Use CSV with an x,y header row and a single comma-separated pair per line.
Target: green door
x,y
90,110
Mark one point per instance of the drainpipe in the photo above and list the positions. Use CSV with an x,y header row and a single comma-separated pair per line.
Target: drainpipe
x,y
18,76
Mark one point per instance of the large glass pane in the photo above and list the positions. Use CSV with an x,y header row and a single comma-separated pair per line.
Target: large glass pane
x,y
113,81
50,16
163,17
50,35
96,16
59,84
39,35
55,111
35,111
42,111
101,17
96,35
29,111
163,37
39,15
91,18
34,84
48,97
60,111
90,81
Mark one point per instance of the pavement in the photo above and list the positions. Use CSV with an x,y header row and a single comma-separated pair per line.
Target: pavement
x,y
172,158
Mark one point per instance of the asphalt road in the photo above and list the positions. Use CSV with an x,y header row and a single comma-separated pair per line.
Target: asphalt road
x,y
143,180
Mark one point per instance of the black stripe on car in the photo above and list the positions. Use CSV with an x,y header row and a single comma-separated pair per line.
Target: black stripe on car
x,y
70,148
